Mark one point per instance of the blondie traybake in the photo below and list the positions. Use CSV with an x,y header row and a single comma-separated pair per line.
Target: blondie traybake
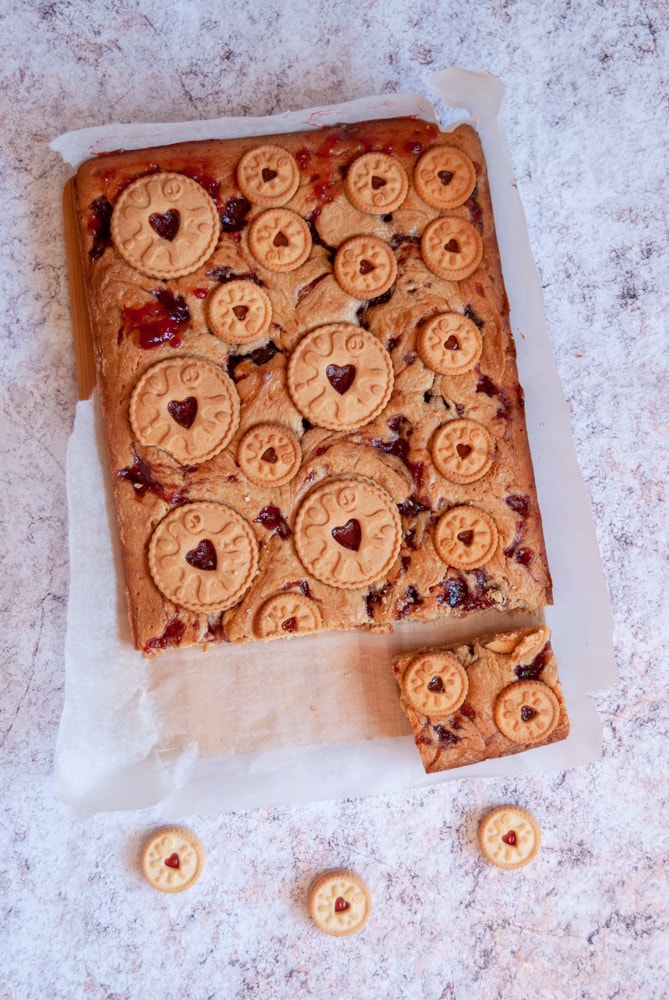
x,y
308,383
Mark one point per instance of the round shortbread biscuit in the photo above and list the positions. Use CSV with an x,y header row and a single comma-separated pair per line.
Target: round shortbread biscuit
x,y
526,711
376,183
172,859
340,376
165,225
279,239
509,837
339,902
269,454
435,684
286,614
186,406
268,175
462,450
203,556
348,532
444,177
365,267
449,344
466,537
239,312
451,247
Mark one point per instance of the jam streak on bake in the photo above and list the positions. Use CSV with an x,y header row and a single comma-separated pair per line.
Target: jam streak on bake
x,y
302,585
400,448
486,385
260,356
410,599
209,183
143,481
233,214
444,737
521,554
172,636
531,671
159,322
225,274
456,591
99,226
271,518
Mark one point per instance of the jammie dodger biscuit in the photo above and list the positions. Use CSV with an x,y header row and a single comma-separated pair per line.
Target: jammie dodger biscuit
x,y
172,859
510,837
339,902
165,225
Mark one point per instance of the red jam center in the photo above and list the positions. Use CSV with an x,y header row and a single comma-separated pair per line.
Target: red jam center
x,y
204,556
510,838
269,455
452,344
172,861
340,377
463,450
290,624
167,224
183,411
445,176
527,713
466,537
341,904
348,535
436,684
452,246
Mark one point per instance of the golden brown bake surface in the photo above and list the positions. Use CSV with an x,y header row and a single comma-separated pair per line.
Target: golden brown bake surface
x,y
308,383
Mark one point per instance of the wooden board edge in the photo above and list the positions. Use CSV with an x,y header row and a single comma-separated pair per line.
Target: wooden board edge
x,y
81,327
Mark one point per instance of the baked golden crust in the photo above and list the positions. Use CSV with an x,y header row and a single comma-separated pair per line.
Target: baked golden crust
x,y
139,320
512,701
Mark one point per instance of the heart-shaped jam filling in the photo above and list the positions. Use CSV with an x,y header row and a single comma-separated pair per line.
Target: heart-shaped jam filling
x,y
269,455
378,182
340,378
167,224
463,450
436,685
204,556
452,246
509,838
280,240
527,713
172,861
366,266
445,176
452,344
341,904
466,537
290,624
183,411
348,535
240,312
268,174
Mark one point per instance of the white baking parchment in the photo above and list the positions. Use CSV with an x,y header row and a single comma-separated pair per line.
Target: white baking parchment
x,y
314,717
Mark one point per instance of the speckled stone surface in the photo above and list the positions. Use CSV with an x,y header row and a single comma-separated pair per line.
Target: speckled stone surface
x,y
587,120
